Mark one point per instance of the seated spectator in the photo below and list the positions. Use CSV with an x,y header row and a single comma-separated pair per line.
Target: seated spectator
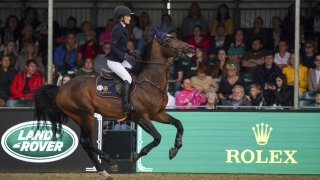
x,y
276,31
27,37
258,31
237,98
212,99
87,69
199,39
30,18
219,69
237,48
56,76
135,33
65,55
313,25
175,75
167,23
105,36
200,57
144,20
256,96
171,101
66,78
11,31
90,49
24,84
281,58
7,73
220,41
288,71
314,75
131,45
100,61
229,81
308,56
188,97
81,36
267,72
202,82
280,94
71,26
253,58
317,99
222,18
29,52
10,50
194,18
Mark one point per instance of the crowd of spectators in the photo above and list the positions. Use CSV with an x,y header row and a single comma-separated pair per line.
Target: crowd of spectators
x,y
231,67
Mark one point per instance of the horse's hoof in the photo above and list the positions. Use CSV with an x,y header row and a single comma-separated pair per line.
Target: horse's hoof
x,y
106,175
135,156
173,152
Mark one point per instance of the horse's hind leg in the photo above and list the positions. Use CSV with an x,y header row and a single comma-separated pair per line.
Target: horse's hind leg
x,y
163,117
86,142
147,126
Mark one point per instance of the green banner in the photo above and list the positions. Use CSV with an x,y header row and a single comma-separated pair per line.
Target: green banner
x,y
237,142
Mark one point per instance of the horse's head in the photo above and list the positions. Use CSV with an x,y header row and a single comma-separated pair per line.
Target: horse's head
x,y
173,47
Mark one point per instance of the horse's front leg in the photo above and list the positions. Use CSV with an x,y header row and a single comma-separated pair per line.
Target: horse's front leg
x,y
164,117
146,125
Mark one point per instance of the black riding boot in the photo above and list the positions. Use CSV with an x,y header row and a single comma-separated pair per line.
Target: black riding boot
x,y
126,106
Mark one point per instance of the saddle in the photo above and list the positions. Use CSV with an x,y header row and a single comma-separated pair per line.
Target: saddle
x,y
108,84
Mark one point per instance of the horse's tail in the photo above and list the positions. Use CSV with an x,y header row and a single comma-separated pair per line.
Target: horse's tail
x,y
47,109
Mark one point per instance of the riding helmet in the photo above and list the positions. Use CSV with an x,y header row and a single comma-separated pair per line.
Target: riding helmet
x,y
121,11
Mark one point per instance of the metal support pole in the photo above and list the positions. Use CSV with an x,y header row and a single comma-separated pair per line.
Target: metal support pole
x,y
50,40
297,55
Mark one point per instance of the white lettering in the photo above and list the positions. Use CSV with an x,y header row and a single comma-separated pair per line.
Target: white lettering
x,y
59,145
43,145
34,146
20,137
232,154
259,155
243,156
290,156
274,155
25,146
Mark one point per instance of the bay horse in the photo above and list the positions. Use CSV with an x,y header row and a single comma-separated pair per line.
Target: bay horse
x,y
78,100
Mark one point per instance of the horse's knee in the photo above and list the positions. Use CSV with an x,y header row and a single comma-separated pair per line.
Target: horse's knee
x,y
157,139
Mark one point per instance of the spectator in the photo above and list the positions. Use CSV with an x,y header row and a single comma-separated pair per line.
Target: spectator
x,y
100,61
220,41
171,101
106,35
175,75
30,17
219,69
66,78
237,48
199,58
144,20
27,37
167,23
253,58
317,99
267,72
212,100
90,49
222,18
314,25
87,69
29,52
56,76
259,32
314,76
65,55
280,94
86,27
281,58
229,81
135,33
24,84
188,97
10,32
194,18
199,39
131,45
276,31
202,82
308,56
256,96
10,50
71,26
288,71
237,98
288,24
7,74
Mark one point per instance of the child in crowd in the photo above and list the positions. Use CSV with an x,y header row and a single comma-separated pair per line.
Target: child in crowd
x,y
256,96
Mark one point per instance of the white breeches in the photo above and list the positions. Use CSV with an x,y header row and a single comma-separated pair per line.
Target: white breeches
x,y
119,69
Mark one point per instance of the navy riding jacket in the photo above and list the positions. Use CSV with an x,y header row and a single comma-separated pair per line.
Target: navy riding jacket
x,y
119,42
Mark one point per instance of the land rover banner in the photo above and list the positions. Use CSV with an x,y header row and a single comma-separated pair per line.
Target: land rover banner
x,y
237,142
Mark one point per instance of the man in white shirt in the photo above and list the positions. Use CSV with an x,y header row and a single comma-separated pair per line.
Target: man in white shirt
x,y
281,58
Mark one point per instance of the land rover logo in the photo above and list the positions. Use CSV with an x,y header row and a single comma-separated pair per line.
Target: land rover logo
x,y
28,143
